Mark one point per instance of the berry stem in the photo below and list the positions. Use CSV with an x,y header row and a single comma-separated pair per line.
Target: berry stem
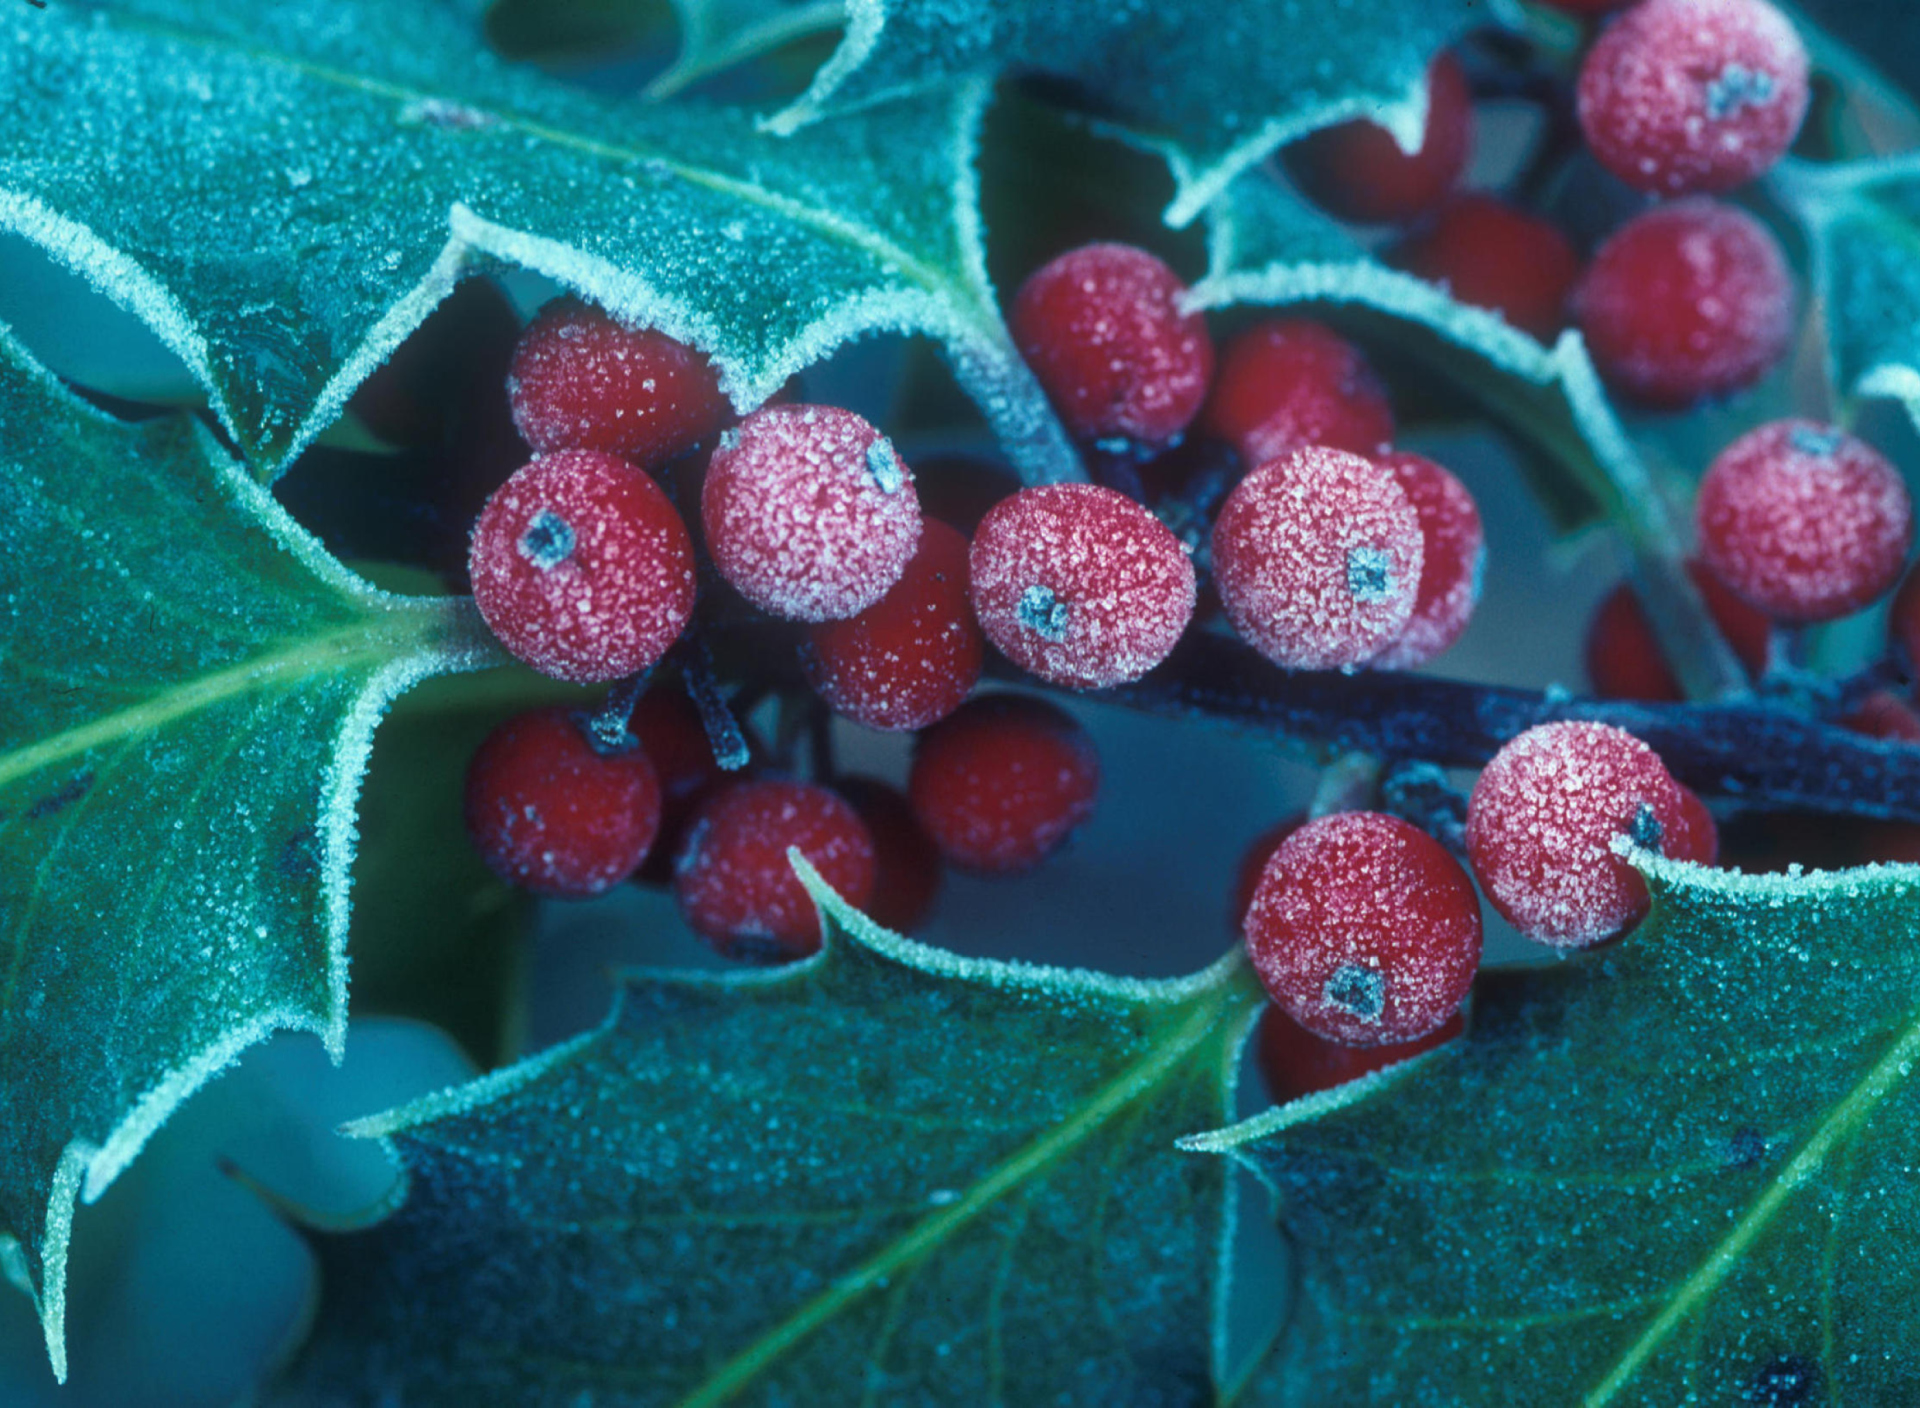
x,y
1421,793
729,744
607,730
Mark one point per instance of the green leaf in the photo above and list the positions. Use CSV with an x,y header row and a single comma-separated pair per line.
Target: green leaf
x,y
1214,87
1651,1174
717,34
886,1174
284,191
188,690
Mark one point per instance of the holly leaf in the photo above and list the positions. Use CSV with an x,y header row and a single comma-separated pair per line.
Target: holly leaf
x,y
291,187
188,690
885,1174
1675,1170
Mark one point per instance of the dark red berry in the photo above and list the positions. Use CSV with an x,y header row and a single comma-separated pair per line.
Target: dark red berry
x,y
1317,556
1693,95
1365,930
1102,329
913,656
1697,838
582,568
735,885
1290,382
1080,585
1903,622
1804,521
809,512
670,733
1294,1062
1357,170
582,381
1884,715
1542,821
906,877
552,814
1623,656
1253,864
1002,782
1453,554
1492,255
1687,300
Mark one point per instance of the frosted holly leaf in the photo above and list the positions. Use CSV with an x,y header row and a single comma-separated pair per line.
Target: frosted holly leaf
x,y
1214,87
885,1174
1678,1170
188,690
717,34
284,190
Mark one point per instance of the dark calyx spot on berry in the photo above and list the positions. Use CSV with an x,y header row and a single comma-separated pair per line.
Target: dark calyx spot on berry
x,y
1747,1148
1043,613
1646,831
1370,574
1357,990
1789,1381
884,466
1739,87
1809,441
548,541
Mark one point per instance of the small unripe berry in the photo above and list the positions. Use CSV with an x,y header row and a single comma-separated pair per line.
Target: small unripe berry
x,y
552,814
1287,383
1542,821
1317,556
1487,253
1453,554
1002,782
734,883
1623,656
1804,521
809,513
1365,930
906,878
1102,329
1685,301
1680,96
1080,585
582,568
582,381
1294,1062
1357,170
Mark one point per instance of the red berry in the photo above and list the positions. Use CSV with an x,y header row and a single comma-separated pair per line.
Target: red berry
x,y
668,727
1623,656
1884,715
1541,824
1365,929
1294,1062
1693,95
809,512
1453,553
1002,782
1491,255
1697,838
1253,864
1903,621
1806,522
732,878
1080,585
582,381
582,568
1102,329
913,656
906,862
1357,170
1687,300
1290,382
1317,556
550,813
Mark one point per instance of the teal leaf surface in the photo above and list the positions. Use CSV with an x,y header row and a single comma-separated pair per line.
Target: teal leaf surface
x,y
188,690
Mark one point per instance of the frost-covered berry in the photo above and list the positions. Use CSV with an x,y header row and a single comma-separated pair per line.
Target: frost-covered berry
x,y
809,512
911,657
582,381
1253,864
551,813
1697,838
1357,170
581,567
1453,553
1080,585
1693,95
1291,382
1294,1062
1623,655
1365,929
670,733
1685,301
1803,520
1002,782
732,878
1542,821
1102,329
1317,556
1491,255
906,878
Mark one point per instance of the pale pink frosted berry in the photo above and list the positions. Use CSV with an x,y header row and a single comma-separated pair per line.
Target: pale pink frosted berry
x,y
1080,585
1317,556
1803,520
1693,95
1542,821
1453,553
582,568
809,512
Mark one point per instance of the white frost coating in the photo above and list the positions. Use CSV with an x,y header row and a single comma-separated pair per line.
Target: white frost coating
x,y
52,1301
1895,381
865,19
1800,887
1305,1110
469,1095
